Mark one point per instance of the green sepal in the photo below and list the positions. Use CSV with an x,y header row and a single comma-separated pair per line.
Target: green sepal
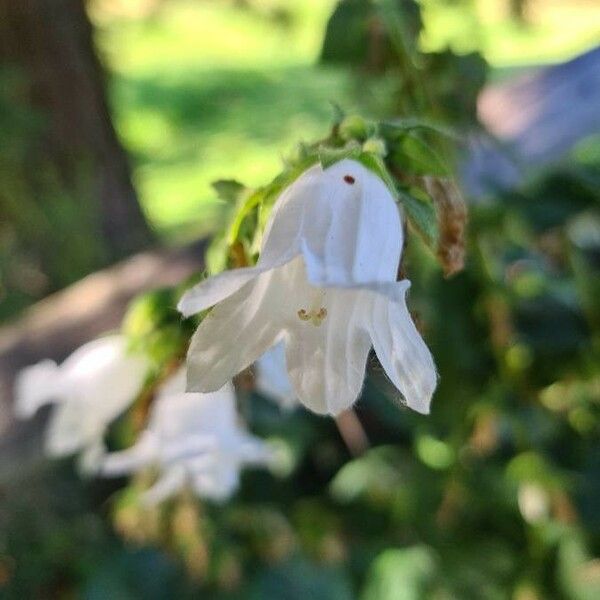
x,y
329,156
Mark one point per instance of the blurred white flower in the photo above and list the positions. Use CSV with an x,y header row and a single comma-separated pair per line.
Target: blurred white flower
x,y
90,389
194,440
271,378
325,285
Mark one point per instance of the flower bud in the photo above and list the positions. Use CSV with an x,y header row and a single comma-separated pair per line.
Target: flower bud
x,y
354,127
375,145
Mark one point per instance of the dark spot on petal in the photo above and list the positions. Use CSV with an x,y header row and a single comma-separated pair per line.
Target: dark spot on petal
x,y
349,179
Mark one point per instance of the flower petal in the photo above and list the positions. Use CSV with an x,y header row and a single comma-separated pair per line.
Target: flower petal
x,y
271,378
346,223
327,363
218,481
72,426
235,333
402,352
143,453
209,292
90,459
35,386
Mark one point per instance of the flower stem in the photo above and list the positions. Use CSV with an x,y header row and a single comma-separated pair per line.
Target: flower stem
x,y
352,432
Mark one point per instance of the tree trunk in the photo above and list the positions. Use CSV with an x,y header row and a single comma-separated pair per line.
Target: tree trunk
x,y
48,46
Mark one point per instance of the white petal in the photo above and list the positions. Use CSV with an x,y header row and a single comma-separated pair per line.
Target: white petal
x,y
345,221
90,460
177,414
217,483
327,363
209,292
254,451
235,333
103,375
35,386
272,379
188,446
143,453
91,388
71,427
403,353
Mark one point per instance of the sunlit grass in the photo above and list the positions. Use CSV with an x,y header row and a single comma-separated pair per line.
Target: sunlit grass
x,y
554,31
203,91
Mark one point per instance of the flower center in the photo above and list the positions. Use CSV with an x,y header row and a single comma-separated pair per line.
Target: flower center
x,y
317,313
316,317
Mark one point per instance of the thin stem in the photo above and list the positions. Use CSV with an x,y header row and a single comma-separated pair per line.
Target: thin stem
x,y
352,432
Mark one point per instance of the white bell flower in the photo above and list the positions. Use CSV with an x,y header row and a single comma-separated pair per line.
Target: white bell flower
x,y
271,378
193,440
325,284
90,389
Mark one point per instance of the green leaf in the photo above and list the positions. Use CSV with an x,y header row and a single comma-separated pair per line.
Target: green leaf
x,y
301,580
228,190
347,36
379,472
577,571
375,163
399,127
421,214
402,21
150,311
415,155
401,574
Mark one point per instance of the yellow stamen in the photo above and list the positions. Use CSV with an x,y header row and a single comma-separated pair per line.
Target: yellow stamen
x,y
316,317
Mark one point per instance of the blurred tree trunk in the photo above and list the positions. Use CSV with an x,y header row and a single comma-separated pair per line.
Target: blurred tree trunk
x,y
49,43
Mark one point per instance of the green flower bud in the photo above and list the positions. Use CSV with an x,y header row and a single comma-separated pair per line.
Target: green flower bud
x,y
354,127
375,145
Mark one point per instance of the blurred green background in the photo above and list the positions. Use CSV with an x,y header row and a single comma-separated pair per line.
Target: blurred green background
x,y
495,495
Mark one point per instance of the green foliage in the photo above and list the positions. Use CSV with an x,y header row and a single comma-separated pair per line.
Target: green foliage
x,y
403,574
379,39
154,326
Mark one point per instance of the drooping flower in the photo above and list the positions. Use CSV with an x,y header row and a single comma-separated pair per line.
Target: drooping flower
x,y
90,389
271,378
193,440
325,284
